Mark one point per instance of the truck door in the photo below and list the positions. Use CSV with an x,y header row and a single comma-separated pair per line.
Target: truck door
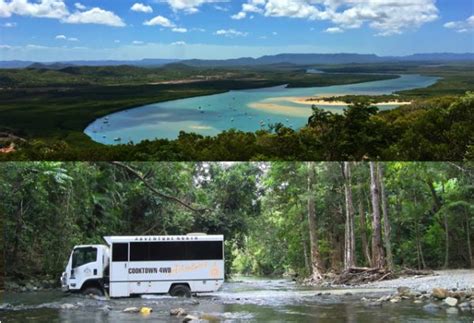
x,y
119,286
85,266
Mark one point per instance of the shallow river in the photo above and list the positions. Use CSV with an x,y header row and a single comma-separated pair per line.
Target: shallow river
x,y
245,300
247,110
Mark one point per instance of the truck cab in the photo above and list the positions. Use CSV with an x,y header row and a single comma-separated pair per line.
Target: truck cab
x,y
87,270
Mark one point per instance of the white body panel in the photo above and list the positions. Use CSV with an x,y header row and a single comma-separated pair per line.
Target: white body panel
x,y
156,277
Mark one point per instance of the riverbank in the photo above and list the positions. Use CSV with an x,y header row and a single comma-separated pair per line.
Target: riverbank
x,y
458,279
322,100
248,299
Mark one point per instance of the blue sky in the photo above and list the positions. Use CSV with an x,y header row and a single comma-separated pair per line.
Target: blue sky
x,y
49,30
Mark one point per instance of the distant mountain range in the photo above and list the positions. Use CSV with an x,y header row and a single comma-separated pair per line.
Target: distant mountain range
x,y
296,59
324,59
147,62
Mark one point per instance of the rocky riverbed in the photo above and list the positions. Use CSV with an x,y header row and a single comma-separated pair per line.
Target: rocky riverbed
x,y
250,300
448,279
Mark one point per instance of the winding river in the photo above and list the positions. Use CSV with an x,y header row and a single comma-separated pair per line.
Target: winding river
x,y
247,110
243,300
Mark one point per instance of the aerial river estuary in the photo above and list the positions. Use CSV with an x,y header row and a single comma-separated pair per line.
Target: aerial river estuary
x,y
246,110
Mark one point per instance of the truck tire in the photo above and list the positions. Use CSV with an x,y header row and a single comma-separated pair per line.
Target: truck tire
x,y
180,291
93,291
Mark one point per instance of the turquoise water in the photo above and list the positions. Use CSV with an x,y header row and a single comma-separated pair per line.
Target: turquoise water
x,y
247,110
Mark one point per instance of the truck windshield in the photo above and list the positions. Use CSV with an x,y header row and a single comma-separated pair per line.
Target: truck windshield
x,y
82,256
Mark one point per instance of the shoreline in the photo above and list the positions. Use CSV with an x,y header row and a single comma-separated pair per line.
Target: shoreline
x,y
322,100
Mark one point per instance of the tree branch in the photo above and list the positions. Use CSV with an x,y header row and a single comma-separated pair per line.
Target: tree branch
x,y
144,180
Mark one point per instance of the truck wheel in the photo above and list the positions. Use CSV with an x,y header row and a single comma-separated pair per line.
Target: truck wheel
x,y
180,291
93,291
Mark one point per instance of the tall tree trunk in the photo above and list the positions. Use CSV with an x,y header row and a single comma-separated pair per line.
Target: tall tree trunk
x,y
363,232
313,234
468,238
386,221
377,248
304,241
446,245
16,241
349,241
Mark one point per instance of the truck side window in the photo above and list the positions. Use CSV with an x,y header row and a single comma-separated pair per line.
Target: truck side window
x,y
120,252
82,256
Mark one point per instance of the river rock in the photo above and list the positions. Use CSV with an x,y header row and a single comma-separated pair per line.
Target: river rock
x,y
465,306
457,294
68,306
439,293
131,310
384,298
373,304
6,307
105,308
418,301
452,311
404,291
190,318
431,307
451,301
395,299
178,312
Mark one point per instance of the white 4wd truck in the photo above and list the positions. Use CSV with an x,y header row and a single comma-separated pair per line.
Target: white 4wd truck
x,y
131,265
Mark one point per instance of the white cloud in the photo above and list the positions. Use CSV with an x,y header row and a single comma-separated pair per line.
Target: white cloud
x,y
137,42
179,30
41,9
117,41
239,15
334,30
63,37
5,46
188,6
9,24
57,9
387,17
80,6
140,7
95,16
230,33
462,26
178,43
160,21
221,8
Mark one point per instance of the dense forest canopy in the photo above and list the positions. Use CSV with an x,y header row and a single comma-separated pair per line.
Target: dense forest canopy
x,y
282,217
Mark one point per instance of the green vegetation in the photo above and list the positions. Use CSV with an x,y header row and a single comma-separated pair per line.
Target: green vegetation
x,y
263,209
434,129
51,108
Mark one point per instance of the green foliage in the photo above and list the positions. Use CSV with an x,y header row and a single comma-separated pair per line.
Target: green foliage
x,y
261,208
436,129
